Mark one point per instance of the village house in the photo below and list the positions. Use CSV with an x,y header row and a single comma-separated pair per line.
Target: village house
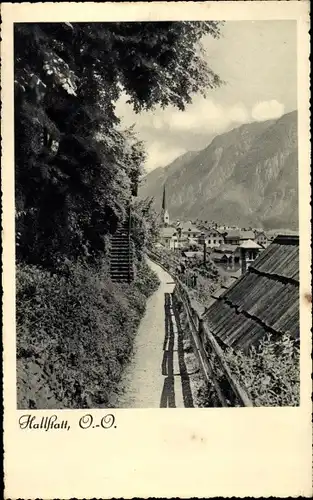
x,y
193,256
188,230
248,251
236,236
214,238
178,237
246,234
245,253
171,238
264,300
225,254
261,238
232,237
167,236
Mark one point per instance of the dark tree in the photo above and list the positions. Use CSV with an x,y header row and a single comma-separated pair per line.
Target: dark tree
x,y
75,168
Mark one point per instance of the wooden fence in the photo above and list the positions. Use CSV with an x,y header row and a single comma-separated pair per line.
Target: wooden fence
x,y
224,386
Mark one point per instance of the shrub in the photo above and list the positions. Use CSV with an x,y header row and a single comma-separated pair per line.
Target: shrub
x,y
78,330
270,372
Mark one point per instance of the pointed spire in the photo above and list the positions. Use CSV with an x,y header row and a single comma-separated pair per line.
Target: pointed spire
x,y
166,218
164,199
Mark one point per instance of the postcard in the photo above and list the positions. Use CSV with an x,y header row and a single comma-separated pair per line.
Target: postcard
x,y
156,249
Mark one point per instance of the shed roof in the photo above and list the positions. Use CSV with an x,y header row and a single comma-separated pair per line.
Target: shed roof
x,y
217,256
263,300
226,248
190,255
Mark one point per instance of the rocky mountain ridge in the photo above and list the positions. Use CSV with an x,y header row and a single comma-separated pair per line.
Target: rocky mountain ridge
x,y
247,176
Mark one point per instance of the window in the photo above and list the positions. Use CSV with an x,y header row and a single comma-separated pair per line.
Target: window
x,y
214,241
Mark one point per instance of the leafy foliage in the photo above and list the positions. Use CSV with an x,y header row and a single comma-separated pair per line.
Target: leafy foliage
x,y
145,225
77,331
75,167
270,372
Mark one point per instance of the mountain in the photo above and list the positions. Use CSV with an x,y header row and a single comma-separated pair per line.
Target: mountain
x,y
246,177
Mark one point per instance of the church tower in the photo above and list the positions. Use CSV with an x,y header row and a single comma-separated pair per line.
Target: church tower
x,y
166,217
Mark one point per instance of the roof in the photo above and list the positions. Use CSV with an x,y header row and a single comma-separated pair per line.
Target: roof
x,y
249,244
214,231
227,283
189,226
263,300
167,232
190,255
225,248
233,233
193,241
247,235
259,232
217,256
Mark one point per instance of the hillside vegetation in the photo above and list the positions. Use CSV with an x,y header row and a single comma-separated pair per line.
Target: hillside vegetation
x,y
75,334
76,171
246,177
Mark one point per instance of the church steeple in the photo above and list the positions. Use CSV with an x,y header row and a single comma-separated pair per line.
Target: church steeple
x,y
166,218
164,199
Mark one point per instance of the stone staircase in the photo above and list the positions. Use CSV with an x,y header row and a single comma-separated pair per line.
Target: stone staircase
x,y
121,255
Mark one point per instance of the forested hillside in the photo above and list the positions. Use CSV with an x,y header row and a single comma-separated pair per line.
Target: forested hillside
x,y
75,171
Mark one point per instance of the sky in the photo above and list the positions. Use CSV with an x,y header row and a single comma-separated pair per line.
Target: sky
x,y
258,62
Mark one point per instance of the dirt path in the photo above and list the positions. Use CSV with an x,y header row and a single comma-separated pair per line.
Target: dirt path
x,y
157,376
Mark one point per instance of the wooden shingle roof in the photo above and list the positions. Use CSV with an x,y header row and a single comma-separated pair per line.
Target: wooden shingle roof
x,y
263,300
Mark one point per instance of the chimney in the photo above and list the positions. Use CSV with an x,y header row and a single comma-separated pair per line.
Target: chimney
x,y
243,259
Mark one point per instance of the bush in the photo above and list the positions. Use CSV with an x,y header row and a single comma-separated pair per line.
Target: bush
x,y
270,372
75,333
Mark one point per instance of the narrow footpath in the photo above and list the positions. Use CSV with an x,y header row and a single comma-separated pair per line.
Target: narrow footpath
x,y
157,376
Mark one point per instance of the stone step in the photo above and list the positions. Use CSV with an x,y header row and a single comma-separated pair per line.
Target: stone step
x,y
121,273
122,277
123,280
122,253
121,263
117,249
124,265
120,244
121,257
121,248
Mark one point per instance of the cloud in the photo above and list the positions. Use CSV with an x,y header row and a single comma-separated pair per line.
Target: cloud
x,y
169,133
204,116
239,114
160,154
267,110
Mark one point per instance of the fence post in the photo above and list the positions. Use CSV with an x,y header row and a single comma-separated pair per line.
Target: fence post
x,y
201,332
